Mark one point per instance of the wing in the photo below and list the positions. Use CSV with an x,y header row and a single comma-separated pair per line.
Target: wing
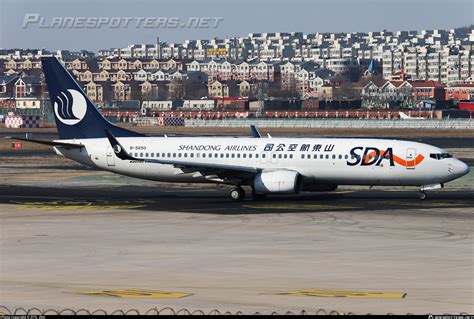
x,y
202,169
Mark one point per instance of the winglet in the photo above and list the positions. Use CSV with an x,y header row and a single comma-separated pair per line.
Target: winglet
x,y
118,148
255,132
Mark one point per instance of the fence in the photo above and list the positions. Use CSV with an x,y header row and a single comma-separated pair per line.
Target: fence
x,y
24,121
160,121
170,311
336,123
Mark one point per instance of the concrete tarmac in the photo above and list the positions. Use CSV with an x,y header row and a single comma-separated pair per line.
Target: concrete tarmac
x,y
66,230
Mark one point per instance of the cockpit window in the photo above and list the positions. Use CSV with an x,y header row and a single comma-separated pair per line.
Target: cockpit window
x,y
440,156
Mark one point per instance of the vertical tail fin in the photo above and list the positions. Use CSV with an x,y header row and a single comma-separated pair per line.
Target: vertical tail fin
x,y
75,114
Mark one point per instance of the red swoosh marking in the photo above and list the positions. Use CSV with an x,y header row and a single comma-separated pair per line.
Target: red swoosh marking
x,y
419,158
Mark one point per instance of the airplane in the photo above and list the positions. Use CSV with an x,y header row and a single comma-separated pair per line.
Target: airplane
x,y
268,165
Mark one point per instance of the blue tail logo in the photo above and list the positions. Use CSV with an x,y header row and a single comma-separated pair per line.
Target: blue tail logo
x,y
75,114
70,107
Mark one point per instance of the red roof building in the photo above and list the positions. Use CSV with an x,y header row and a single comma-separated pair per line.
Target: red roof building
x,y
427,90
460,92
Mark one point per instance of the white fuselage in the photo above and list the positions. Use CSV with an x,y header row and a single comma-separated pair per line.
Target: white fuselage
x,y
335,161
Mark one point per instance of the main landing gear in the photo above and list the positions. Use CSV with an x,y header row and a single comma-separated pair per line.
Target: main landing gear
x,y
237,194
422,195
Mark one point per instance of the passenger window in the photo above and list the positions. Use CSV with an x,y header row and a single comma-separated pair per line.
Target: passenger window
x,y
279,155
291,155
191,155
285,156
327,156
203,155
238,155
141,154
333,156
250,155
340,156
244,155
233,155
174,154
152,154
216,155
227,155
146,154
302,156
346,156
169,155
157,154
315,156
179,154
185,154
222,155
263,155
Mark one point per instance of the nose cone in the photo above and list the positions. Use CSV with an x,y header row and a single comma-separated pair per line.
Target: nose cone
x,y
461,168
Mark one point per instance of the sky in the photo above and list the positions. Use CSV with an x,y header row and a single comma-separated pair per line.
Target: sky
x,y
236,18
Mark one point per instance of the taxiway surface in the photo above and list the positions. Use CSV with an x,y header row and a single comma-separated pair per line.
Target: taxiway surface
x,y
66,230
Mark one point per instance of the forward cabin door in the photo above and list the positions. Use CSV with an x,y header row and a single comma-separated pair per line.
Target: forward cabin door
x,y
411,156
110,156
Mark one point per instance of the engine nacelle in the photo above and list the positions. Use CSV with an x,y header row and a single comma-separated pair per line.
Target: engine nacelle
x,y
283,182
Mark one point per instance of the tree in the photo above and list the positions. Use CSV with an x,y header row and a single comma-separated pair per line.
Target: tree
x,y
275,90
194,90
346,92
176,89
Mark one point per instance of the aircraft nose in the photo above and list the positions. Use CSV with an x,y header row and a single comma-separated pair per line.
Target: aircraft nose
x,y
461,168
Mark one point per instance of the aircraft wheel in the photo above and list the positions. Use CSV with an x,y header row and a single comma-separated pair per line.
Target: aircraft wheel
x,y
422,195
237,194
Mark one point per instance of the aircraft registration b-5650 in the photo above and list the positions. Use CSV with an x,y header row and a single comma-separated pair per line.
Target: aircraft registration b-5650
x,y
267,165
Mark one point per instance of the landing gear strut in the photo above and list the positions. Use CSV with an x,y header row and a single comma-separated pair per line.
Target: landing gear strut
x,y
237,193
422,195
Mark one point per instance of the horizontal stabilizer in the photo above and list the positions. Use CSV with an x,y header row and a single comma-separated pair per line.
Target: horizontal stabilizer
x,y
49,143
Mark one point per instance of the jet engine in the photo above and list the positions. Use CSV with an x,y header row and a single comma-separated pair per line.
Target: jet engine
x,y
283,182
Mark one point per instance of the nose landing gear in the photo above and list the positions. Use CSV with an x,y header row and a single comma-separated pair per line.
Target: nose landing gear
x,y
422,195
